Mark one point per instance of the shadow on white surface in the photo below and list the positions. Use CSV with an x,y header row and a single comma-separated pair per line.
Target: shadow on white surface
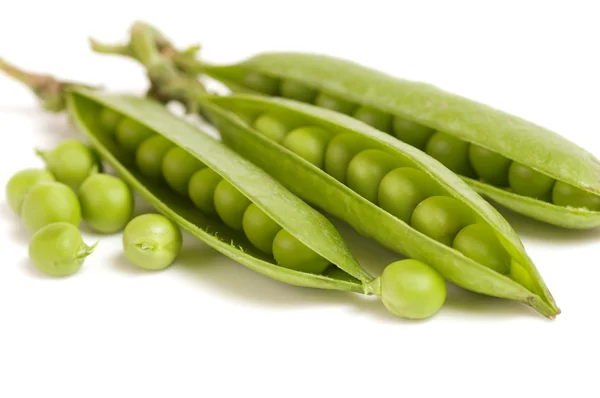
x,y
119,262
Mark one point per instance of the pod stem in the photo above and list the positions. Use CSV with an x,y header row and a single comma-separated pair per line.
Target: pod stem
x,y
374,287
85,250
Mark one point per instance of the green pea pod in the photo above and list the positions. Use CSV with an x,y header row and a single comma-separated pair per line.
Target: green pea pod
x,y
419,110
292,214
289,163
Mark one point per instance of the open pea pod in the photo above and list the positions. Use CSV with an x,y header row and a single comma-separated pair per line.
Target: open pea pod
x,y
516,163
291,214
387,190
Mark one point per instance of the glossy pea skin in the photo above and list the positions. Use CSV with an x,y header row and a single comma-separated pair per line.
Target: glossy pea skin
x,y
564,194
230,204
380,120
272,126
479,243
336,104
130,134
58,249
150,154
261,83
21,183
340,151
452,152
309,142
260,229
411,289
201,190
441,218
106,203
109,120
50,202
297,91
525,181
152,241
178,166
367,169
490,166
411,133
290,253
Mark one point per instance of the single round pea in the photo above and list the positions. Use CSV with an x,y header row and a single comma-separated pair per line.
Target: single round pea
x,y
272,126
402,189
230,204
260,229
375,118
261,83
309,142
526,181
479,243
50,202
452,152
340,151
564,194
339,105
130,134
367,169
441,217
411,289
109,120
519,274
150,154
412,133
71,162
201,189
58,249
21,183
290,253
334,272
297,91
152,241
490,166
178,167
106,203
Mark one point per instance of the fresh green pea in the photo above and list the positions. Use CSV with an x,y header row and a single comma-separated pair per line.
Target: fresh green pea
x,y
178,166
564,194
411,289
340,151
150,154
21,183
260,228
71,162
412,133
337,273
520,274
273,126
261,83
526,181
336,104
375,118
366,170
152,241
441,217
297,91
402,189
490,166
109,120
201,189
290,253
309,142
58,249
452,152
230,204
50,202
479,242
106,203
130,134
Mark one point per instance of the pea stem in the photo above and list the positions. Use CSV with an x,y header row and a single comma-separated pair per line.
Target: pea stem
x,y
85,250
374,287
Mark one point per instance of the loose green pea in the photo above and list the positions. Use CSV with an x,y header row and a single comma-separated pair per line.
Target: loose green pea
x,y
452,152
21,183
201,189
109,120
71,162
261,83
130,134
564,194
490,166
375,118
525,181
479,242
260,229
441,217
402,189
273,126
106,203
230,204
367,169
50,202
150,154
58,249
297,91
337,273
339,105
309,142
412,133
178,166
340,151
290,253
411,289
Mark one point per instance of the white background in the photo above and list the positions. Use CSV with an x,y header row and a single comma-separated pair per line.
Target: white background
x,y
210,327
